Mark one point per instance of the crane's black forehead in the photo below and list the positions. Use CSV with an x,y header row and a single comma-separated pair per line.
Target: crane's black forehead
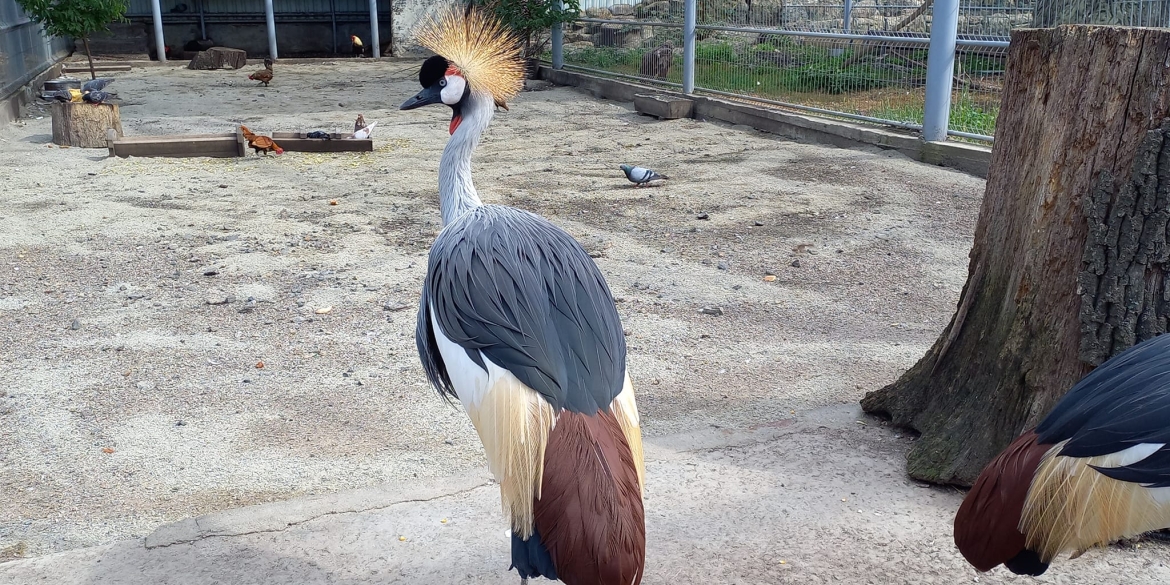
x,y
432,70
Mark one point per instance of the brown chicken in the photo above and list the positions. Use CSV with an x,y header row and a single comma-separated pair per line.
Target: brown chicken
x,y
260,143
264,75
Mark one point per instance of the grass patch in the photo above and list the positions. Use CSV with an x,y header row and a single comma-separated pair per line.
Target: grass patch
x,y
890,88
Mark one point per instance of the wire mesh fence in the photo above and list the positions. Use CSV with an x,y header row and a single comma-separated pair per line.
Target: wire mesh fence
x,y
858,59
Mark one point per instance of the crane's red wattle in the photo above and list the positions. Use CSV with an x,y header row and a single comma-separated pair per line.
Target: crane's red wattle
x,y
455,123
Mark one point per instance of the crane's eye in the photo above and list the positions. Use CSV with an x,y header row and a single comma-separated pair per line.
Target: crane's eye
x,y
442,83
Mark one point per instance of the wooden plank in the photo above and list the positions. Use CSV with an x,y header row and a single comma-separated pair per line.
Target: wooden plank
x,y
210,145
297,142
96,68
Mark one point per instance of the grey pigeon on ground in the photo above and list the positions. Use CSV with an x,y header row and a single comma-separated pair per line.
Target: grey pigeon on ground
x,y
640,176
61,95
96,84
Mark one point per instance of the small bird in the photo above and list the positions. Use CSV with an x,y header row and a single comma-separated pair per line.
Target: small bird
x,y
657,63
365,132
321,134
517,323
359,49
359,123
264,75
96,84
640,176
260,143
96,97
1095,470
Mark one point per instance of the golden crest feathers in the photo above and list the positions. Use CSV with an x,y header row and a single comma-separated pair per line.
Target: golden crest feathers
x,y
486,52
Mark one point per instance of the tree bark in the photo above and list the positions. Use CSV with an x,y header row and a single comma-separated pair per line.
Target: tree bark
x,y
84,125
1070,263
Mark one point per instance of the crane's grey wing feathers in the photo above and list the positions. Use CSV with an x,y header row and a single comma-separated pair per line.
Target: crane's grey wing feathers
x,y
1123,403
508,285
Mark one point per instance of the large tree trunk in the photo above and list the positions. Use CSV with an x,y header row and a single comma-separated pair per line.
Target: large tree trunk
x,y
1069,265
1047,13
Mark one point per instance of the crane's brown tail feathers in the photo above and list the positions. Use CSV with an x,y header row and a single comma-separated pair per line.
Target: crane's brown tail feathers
x,y
570,483
987,524
1030,504
514,422
590,516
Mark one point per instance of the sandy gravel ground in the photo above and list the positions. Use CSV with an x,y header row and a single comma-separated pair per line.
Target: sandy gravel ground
x,y
138,297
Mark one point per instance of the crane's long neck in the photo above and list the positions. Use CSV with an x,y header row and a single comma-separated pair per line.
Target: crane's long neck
x,y
456,192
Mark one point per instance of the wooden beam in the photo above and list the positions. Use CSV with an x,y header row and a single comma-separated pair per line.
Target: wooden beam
x,y
226,145
97,68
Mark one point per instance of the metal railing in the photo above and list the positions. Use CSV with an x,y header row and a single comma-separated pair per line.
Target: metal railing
x,y
934,66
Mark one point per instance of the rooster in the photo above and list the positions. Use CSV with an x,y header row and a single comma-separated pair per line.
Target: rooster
x,y
264,75
260,143
1095,470
359,49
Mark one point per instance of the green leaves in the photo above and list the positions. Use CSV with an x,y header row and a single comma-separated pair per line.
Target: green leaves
x,y
532,18
74,18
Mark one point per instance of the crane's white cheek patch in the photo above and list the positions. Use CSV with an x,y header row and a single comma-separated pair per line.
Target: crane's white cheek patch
x,y
453,92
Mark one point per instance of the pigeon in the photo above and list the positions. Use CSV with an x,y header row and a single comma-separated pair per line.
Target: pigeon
x,y
319,134
364,132
359,123
96,97
96,84
640,176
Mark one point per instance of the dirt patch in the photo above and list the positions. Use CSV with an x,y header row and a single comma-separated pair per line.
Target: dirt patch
x,y
138,296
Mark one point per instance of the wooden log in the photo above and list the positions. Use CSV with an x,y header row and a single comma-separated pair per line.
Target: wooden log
x,y
217,58
297,142
225,145
84,125
1070,260
234,58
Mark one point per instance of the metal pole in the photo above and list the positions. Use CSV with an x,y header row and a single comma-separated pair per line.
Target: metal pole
x,y
202,24
333,19
159,45
375,50
558,39
848,14
940,69
690,15
271,29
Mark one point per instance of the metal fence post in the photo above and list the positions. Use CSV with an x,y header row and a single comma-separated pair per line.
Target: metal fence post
x,y
690,15
375,47
558,40
848,15
940,69
159,44
271,20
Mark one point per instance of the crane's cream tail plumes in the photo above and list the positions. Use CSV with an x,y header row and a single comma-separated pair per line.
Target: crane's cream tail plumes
x,y
1073,507
1031,504
478,46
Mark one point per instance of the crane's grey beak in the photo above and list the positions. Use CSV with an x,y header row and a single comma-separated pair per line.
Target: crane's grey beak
x,y
430,95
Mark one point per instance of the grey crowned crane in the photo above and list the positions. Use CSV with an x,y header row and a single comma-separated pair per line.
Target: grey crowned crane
x,y
1095,470
518,324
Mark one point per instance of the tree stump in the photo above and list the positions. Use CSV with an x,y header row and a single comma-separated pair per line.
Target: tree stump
x,y
218,57
1070,263
84,125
